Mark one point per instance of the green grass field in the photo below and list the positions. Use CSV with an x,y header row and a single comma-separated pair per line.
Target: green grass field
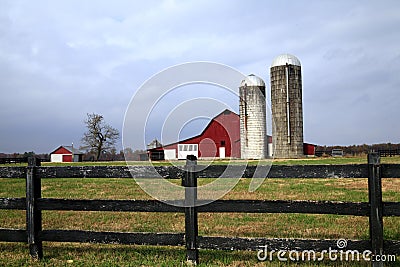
x,y
305,161
210,224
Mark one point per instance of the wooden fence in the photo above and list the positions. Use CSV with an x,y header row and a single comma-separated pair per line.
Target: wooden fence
x,y
34,204
13,160
18,160
388,152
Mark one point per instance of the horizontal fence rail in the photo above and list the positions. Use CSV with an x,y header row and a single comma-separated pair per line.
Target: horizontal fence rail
x,y
172,172
34,204
388,152
13,160
218,206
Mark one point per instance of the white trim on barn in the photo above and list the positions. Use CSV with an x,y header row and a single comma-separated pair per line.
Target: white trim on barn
x,y
169,154
185,150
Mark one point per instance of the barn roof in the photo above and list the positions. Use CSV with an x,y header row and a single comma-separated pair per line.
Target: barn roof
x,y
71,149
226,111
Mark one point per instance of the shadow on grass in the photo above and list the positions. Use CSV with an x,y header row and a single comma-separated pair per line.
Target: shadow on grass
x,y
71,254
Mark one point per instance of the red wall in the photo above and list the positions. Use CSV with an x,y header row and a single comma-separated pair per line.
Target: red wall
x,y
217,130
62,150
308,149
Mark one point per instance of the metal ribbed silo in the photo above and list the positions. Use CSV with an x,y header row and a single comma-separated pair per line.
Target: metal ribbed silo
x,y
253,126
286,105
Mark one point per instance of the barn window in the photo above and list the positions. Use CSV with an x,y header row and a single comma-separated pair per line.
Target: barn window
x,y
223,143
188,147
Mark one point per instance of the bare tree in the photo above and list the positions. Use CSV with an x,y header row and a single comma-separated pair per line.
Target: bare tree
x,y
100,137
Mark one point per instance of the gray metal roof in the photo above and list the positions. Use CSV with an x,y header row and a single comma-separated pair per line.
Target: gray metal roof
x,y
73,150
284,59
252,80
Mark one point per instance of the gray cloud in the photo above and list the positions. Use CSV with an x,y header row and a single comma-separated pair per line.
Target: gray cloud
x,y
62,59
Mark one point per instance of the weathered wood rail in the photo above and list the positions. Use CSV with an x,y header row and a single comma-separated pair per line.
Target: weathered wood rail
x,y
388,152
172,172
13,160
34,204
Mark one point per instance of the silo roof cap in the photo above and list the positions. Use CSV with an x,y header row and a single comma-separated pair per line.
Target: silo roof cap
x,y
252,80
284,59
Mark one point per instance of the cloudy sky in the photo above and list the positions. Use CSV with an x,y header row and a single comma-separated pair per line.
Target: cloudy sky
x,y
60,60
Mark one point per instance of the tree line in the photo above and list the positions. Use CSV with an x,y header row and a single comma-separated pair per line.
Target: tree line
x,y
139,154
112,155
100,138
356,150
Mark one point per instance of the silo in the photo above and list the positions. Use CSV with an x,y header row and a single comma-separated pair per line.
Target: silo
x,y
253,126
286,105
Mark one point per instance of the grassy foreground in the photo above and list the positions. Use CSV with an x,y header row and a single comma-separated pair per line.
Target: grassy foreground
x,y
304,161
231,224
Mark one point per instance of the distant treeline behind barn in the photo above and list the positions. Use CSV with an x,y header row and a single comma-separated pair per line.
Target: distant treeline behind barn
x,y
130,154
135,155
357,150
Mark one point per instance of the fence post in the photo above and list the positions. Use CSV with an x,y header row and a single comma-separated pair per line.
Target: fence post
x,y
191,222
375,201
33,215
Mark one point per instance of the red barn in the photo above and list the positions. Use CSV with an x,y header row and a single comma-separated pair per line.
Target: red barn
x,y
66,154
220,139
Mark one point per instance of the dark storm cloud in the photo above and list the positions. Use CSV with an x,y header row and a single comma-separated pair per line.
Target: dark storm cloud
x,y
62,59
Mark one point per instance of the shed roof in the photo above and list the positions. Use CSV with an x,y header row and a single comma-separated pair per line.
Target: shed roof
x,y
71,149
225,112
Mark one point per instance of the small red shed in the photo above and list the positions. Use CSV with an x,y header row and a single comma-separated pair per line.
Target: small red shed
x,y
66,154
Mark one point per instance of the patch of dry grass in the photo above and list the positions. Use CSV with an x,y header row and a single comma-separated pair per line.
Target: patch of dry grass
x,y
212,224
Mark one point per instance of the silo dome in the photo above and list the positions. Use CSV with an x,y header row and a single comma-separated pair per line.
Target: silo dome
x,y
284,59
252,80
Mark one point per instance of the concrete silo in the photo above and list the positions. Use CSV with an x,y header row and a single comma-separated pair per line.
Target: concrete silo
x,y
286,105
253,126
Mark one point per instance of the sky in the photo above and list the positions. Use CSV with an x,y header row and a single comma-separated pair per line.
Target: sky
x,y
60,60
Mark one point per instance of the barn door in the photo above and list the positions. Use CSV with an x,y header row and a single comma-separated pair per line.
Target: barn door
x,y
67,158
222,152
